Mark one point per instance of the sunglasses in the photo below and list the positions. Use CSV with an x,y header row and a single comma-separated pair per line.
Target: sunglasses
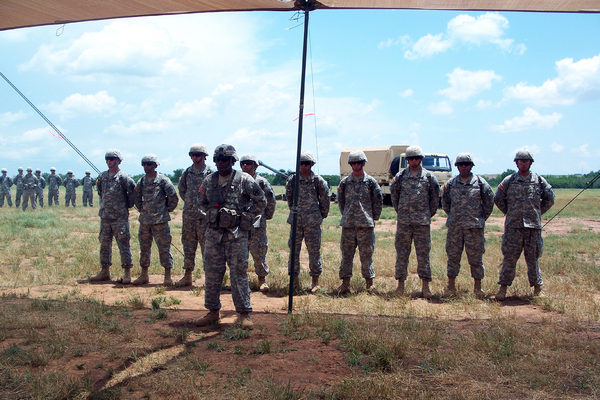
x,y
306,163
413,158
221,159
463,164
147,164
247,163
356,162
110,158
196,154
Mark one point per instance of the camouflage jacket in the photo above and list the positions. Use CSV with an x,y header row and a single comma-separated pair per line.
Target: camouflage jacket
x,y
54,181
360,201
70,184
313,199
189,185
42,182
415,198
524,200
6,182
88,183
271,201
155,198
30,182
468,204
18,181
116,193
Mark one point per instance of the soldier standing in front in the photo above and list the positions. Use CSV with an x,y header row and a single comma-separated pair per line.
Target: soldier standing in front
x,y
232,201
30,184
193,229
88,184
313,207
415,197
54,183
39,192
523,197
18,182
116,190
70,184
5,184
468,200
155,198
258,242
360,201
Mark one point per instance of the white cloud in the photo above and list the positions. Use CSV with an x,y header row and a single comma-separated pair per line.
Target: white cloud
x,y
403,40
484,104
577,82
35,135
557,148
194,109
8,118
77,103
427,46
441,108
414,126
464,84
531,119
14,35
407,93
581,150
142,127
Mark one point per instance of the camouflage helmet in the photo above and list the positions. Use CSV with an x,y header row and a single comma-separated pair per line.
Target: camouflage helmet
x,y
4,170
357,156
249,157
225,150
38,170
150,158
523,154
70,172
52,169
464,158
198,148
114,153
20,169
414,151
29,169
307,156
88,172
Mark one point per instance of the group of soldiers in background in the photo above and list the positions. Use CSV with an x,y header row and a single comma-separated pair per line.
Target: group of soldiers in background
x,y
225,212
30,188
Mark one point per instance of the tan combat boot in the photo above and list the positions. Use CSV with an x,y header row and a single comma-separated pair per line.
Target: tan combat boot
x,y
187,279
126,276
344,287
400,288
501,295
315,285
450,290
425,290
245,321
103,275
168,281
537,291
210,318
143,279
477,289
369,286
262,285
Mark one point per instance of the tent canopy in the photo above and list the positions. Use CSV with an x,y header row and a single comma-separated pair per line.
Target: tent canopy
x,y
26,13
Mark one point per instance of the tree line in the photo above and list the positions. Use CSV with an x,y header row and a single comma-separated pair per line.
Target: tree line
x,y
557,181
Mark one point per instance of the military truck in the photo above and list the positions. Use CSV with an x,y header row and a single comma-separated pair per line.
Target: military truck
x,y
385,162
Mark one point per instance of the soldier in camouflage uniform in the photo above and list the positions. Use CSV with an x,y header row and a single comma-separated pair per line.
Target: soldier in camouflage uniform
x,y
30,184
39,192
18,182
54,183
468,200
232,201
155,198
258,242
523,197
313,207
193,229
116,190
88,184
5,184
360,201
415,197
70,183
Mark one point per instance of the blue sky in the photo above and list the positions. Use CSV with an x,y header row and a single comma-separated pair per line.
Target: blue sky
x,y
486,83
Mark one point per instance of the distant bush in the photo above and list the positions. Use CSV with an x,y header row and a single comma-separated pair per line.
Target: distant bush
x,y
557,181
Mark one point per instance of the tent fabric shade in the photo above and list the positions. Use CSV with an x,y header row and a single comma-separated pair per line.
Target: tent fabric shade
x,y
26,13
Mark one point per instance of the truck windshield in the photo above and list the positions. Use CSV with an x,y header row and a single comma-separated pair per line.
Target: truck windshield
x,y
437,163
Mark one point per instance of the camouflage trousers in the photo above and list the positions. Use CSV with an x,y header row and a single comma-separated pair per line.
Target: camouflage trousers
x,y
39,196
220,252
88,198
473,242
258,244
514,241
162,236
193,232
70,197
6,194
405,235
29,195
119,229
312,238
18,197
52,196
364,239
